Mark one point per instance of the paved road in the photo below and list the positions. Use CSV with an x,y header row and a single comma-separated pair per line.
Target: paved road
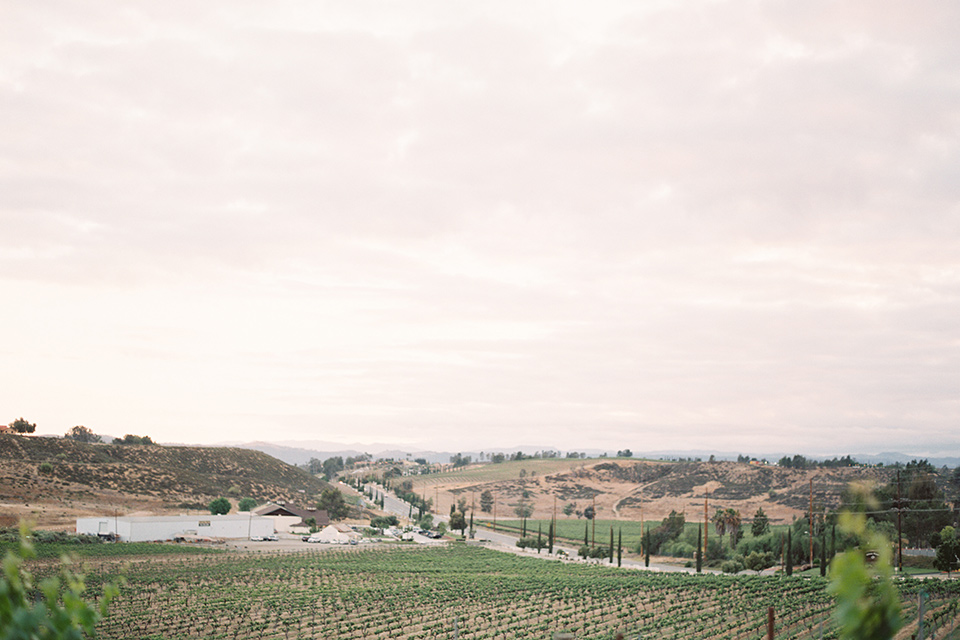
x,y
401,509
508,542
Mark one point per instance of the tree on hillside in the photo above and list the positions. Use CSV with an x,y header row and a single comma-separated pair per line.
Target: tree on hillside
x,y
925,511
246,504
331,467
132,439
82,434
948,550
760,525
486,501
219,506
331,501
625,453
22,426
589,513
460,460
523,509
458,521
569,508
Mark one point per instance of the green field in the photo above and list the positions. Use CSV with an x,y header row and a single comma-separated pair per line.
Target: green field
x,y
462,591
571,531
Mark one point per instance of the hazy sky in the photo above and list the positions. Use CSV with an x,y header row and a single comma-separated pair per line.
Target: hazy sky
x,y
728,225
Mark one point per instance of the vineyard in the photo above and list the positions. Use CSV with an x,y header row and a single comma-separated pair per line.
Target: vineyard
x,y
465,592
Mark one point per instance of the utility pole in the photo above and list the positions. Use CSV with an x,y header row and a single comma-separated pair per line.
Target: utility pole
x,y
811,522
593,535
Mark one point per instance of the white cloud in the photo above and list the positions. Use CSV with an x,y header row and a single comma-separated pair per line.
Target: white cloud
x,y
716,221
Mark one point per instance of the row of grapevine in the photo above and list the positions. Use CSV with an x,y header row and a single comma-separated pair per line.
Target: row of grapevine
x,y
417,593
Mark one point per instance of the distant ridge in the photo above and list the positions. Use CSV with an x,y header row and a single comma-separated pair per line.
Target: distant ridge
x,y
300,452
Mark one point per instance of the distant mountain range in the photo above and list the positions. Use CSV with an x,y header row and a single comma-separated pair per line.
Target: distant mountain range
x,y
300,452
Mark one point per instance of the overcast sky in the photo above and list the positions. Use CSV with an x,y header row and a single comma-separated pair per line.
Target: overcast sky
x,y
729,225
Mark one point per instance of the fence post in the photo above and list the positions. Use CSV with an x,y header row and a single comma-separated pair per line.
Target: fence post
x,y
770,623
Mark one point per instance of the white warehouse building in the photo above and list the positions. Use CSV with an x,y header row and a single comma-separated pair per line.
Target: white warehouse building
x,y
151,528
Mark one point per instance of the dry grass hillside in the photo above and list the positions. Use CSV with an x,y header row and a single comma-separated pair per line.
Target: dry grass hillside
x,y
622,487
53,480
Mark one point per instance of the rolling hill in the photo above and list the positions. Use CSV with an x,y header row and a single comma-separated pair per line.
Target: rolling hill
x,y
622,488
53,480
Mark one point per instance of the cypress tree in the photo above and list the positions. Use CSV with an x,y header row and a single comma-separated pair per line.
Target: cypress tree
x,y
699,548
550,538
611,544
586,534
619,547
539,538
823,552
789,558
646,548
471,523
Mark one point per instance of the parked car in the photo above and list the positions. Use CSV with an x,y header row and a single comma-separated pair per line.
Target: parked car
x,y
271,538
256,538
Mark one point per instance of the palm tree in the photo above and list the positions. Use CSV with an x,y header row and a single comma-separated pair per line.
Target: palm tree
x,y
733,520
720,523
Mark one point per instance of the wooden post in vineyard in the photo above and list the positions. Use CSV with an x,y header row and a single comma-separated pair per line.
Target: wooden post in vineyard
x,y
706,522
770,619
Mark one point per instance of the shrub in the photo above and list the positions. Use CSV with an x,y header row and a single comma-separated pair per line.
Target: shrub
x,y
765,543
677,549
731,566
586,551
532,542
46,468
219,506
